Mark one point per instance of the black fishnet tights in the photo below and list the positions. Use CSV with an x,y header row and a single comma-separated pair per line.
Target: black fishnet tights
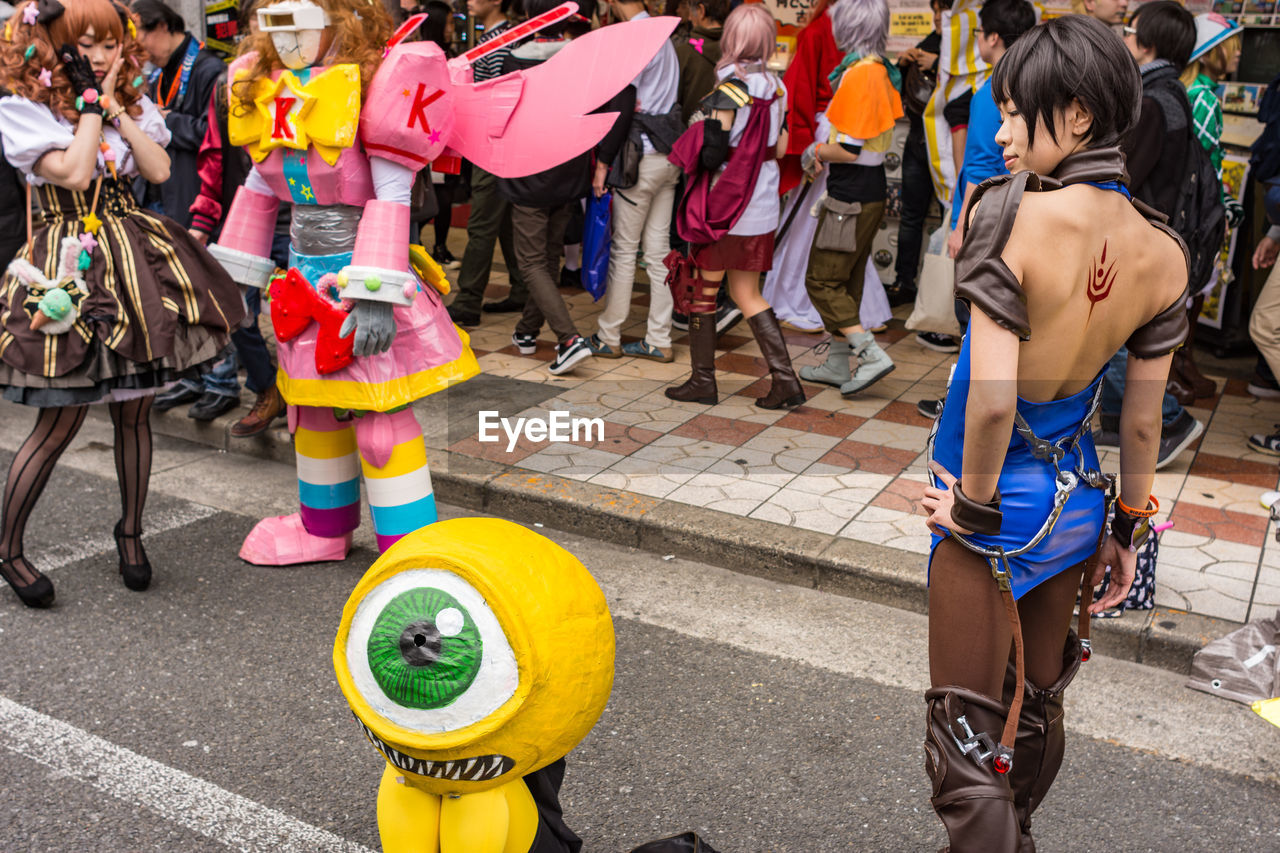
x,y
28,474
132,421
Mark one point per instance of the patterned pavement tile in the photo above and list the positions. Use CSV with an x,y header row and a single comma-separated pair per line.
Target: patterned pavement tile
x,y
1220,523
643,477
735,362
723,492
860,487
655,412
496,451
890,434
825,513
1266,594
707,427
1257,474
622,439
861,456
681,452
902,495
738,407
756,466
809,419
570,460
1238,496
900,412
890,527
791,448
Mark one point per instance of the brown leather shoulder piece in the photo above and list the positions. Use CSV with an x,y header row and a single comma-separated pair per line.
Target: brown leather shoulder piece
x,y
982,277
1168,330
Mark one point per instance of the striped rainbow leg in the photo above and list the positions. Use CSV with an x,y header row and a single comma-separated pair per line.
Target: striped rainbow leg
x,y
328,492
396,477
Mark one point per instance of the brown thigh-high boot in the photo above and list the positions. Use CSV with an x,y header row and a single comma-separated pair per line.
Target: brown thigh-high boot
x,y
700,387
786,389
973,801
1041,740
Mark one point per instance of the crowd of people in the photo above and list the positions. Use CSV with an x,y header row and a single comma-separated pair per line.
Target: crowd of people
x,y
161,188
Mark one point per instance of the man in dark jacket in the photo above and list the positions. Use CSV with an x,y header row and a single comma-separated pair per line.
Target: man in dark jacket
x,y
698,51
1160,37
188,73
541,205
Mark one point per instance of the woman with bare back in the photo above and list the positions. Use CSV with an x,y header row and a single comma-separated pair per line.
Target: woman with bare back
x,y
1061,268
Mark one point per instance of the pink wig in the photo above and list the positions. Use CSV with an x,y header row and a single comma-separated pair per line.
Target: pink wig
x,y
750,35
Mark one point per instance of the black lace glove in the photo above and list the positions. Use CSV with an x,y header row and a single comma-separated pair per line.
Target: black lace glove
x,y
83,81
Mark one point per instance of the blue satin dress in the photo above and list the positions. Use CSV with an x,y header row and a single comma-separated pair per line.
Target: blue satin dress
x,y
1028,484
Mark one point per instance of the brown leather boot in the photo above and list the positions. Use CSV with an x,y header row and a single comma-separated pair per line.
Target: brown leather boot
x,y
1041,740
1184,367
700,387
786,390
269,406
973,801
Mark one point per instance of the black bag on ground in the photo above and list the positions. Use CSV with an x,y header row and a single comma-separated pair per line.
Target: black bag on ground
x,y
686,842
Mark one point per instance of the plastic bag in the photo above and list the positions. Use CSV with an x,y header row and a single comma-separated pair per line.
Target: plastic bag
x,y
597,234
1243,666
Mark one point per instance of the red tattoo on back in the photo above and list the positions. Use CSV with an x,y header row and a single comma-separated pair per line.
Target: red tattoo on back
x,y
1101,278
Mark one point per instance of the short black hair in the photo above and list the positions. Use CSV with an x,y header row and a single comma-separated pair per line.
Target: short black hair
x,y
944,5
1072,57
153,13
438,14
1008,19
716,10
1167,28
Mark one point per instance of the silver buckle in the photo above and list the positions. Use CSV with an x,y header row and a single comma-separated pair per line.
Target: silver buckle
x,y
980,744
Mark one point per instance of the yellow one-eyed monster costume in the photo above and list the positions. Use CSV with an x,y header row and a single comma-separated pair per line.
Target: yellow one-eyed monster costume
x,y
476,654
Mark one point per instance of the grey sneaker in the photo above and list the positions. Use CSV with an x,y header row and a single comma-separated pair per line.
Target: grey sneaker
x,y
1177,437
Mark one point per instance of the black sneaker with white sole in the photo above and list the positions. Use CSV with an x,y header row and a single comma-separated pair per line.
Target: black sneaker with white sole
x,y
679,321
570,353
1176,437
937,342
1268,444
525,344
929,408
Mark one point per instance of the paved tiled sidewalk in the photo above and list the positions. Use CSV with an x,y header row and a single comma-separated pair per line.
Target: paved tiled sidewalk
x,y
854,468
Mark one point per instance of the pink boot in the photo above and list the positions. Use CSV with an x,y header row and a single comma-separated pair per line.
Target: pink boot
x,y
284,541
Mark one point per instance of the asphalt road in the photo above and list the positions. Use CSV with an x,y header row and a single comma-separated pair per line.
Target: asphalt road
x,y
203,714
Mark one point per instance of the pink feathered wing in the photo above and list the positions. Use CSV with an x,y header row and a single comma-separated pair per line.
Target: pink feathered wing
x,y
529,121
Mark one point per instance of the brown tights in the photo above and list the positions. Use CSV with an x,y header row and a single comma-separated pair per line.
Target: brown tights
x,y
969,636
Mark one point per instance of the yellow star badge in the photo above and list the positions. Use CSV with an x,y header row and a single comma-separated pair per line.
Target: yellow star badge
x,y
284,107
91,222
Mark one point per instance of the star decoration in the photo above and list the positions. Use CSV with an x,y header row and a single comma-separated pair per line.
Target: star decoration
x,y
287,94
91,222
434,136
87,241
30,15
405,92
45,77
293,182
307,194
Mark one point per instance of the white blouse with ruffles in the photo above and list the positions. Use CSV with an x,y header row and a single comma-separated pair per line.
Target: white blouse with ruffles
x,y
30,130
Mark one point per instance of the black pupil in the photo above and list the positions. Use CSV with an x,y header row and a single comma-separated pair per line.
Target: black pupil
x,y
420,643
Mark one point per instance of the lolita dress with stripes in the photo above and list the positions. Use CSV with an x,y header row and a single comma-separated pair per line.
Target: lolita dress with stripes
x,y
139,304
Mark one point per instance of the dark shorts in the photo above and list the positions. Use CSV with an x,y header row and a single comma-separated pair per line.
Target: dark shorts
x,y
734,252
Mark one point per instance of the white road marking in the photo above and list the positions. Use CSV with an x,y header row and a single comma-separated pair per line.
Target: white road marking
x,y
200,806
154,524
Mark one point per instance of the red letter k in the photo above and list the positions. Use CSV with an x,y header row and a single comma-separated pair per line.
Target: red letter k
x,y
418,112
281,129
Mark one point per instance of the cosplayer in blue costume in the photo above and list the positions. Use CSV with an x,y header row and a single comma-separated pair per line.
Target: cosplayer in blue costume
x,y
1060,271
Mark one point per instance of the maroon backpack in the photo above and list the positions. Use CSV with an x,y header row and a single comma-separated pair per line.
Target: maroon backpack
x,y
714,201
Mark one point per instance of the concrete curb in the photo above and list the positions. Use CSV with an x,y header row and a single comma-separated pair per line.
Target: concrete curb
x,y
1161,637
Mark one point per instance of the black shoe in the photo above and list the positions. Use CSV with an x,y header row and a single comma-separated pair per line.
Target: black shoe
x,y
1263,388
463,318
504,306
570,278
211,405
937,342
929,408
1177,437
38,593
901,293
445,258
679,321
137,576
1268,444
727,316
178,395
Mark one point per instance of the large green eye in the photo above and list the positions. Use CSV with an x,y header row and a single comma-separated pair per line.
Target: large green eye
x,y
424,649
427,652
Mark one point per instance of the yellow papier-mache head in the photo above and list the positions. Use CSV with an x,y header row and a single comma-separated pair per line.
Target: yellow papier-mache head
x,y
473,652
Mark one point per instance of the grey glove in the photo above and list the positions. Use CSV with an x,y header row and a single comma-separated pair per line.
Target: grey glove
x,y
374,324
809,159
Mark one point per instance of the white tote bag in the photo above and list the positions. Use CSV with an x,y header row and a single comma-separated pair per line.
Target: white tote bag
x,y
935,308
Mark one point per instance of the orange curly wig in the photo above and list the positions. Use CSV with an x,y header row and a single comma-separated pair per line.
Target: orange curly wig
x,y
21,75
360,28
